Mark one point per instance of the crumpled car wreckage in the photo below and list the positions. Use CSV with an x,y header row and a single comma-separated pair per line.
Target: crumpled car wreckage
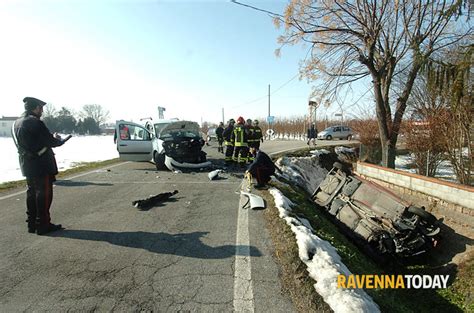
x,y
386,224
171,144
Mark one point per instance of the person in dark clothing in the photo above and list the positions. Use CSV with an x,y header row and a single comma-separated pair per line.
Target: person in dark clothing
x,y
312,134
261,168
38,164
220,137
239,137
227,134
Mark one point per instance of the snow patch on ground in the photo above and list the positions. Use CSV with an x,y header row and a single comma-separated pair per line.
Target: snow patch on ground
x,y
323,263
445,170
77,149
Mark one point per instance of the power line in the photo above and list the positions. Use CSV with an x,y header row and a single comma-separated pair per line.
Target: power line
x,y
257,9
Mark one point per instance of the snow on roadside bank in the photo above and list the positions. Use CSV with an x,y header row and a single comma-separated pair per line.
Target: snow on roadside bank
x,y
323,263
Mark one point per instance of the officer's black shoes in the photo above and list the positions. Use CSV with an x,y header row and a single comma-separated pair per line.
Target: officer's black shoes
x,y
31,227
42,230
259,186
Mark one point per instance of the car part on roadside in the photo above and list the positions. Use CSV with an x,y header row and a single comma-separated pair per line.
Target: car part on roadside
x,y
214,175
254,201
384,222
153,200
174,165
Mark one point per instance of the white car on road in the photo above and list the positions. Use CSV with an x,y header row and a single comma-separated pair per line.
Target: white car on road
x,y
339,132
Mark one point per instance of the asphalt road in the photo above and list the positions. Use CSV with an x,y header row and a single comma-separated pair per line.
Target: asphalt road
x,y
198,252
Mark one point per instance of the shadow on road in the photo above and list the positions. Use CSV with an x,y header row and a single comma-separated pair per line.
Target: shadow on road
x,y
72,183
188,244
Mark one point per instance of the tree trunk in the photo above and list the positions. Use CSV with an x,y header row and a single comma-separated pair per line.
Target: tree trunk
x,y
388,153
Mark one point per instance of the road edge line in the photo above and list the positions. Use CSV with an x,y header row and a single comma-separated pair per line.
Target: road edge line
x,y
243,290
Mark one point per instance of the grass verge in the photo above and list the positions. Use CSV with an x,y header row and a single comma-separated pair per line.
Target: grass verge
x,y
456,298
78,168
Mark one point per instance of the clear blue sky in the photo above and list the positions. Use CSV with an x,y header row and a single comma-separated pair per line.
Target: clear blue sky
x,y
130,56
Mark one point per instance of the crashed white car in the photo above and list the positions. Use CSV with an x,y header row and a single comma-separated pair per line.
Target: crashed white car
x,y
171,144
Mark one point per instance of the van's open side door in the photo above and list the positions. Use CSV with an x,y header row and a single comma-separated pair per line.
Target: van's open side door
x,y
134,141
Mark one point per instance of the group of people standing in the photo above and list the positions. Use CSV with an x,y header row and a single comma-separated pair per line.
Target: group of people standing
x,y
242,141
238,137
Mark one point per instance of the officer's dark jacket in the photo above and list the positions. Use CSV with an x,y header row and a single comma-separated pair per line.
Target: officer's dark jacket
x,y
228,132
250,132
257,133
33,136
261,160
239,135
219,131
312,132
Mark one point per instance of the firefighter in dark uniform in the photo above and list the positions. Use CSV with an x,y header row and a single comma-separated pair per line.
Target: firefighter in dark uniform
x,y
220,137
240,140
257,136
250,138
229,145
261,168
38,165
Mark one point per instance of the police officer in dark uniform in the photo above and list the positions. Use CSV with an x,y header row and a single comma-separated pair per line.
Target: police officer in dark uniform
x,y
38,164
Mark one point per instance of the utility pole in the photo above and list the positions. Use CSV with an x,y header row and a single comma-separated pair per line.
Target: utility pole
x,y
268,99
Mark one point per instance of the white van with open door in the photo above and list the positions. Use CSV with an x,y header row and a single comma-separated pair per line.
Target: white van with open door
x,y
171,144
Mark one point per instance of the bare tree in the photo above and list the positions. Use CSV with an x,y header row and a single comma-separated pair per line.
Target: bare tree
x,y
96,112
376,39
49,111
450,84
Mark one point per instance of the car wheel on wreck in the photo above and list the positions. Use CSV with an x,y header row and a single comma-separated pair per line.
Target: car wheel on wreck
x,y
429,225
159,159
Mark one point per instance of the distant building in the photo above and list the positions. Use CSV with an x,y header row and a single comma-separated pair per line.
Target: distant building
x,y
6,123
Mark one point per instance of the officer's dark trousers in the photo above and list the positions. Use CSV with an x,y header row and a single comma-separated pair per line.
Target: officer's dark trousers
x,y
39,196
262,174
219,147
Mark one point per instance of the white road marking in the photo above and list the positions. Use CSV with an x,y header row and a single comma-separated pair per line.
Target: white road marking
x,y
73,177
243,290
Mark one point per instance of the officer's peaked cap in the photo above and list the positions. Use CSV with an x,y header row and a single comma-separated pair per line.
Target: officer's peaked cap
x,y
31,103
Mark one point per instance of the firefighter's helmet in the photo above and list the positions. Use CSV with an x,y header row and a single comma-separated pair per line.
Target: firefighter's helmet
x,y
240,120
255,122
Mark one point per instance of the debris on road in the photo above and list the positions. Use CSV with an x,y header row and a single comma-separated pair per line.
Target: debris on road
x,y
214,175
153,200
255,202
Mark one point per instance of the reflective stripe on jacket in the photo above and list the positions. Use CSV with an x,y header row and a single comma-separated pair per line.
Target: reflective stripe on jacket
x,y
239,136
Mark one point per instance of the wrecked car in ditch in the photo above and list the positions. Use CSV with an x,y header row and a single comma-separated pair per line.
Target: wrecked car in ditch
x,y
373,215
171,144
